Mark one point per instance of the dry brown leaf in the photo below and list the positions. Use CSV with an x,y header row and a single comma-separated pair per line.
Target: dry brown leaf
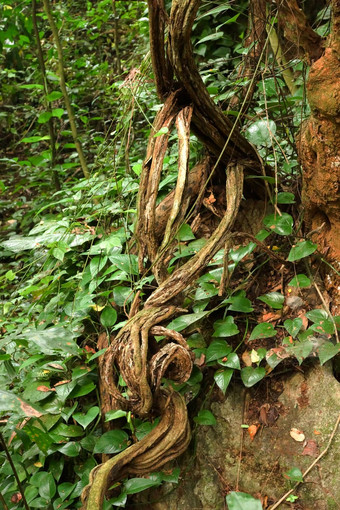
x,y
311,448
246,358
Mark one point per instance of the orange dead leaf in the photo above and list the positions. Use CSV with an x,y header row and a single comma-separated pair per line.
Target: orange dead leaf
x,y
246,358
89,349
16,497
317,432
311,448
62,382
44,388
252,431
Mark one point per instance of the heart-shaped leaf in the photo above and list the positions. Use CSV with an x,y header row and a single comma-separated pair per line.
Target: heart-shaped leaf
x,y
223,378
225,327
85,419
301,250
205,417
231,361
300,280
113,441
242,501
293,326
273,299
217,349
263,330
251,376
328,351
282,225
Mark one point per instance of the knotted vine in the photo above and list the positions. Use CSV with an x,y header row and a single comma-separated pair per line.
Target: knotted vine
x,y
188,106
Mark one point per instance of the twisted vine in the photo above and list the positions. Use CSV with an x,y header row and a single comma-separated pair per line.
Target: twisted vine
x,y
188,105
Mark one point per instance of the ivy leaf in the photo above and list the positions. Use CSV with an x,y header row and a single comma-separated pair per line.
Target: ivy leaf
x,y
217,349
294,475
300,280
205,417
85,419
328,351
242,501
10,402
231,361
239,304
108,317
251,376
293,326
300,350
185,233
113,441
282,225
225,327
263,330
184,321
223,378
301,250
273,299
135,485
44,117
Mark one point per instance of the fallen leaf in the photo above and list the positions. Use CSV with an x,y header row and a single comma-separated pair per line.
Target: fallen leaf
x,y
297,435
16,497
311,448
317,432
246,358
252,431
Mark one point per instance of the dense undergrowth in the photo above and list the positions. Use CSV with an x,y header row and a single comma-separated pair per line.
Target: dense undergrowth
x,y
69,261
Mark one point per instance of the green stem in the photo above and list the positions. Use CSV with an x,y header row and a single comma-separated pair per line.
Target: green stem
x,y
62,79
8,455
46,91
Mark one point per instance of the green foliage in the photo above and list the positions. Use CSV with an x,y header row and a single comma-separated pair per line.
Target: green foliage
x,y
69,266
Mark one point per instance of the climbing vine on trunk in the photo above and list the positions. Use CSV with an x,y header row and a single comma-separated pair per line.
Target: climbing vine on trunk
x,y
187,105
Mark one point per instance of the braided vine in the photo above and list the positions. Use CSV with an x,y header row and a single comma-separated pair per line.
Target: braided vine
x,y
188,106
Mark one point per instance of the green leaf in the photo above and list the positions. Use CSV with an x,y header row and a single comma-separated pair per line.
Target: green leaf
x,y
317,315
205,417
232,361
300,280
10,275
85,419
285,198
294,475
185,233
322,322
184,321
223,378
301,250
217,349
45,484
58,254
135,485
70,449
65,489
39,437
293,326
251,376
44,117
260,132
53,340
108,317
327,351
205,290
163,131
114,415
83,389
120,500
113,441
211,37
215,10
273,299
53,96
263,330
34,139
58,112
225,327
9,402
282,225
242,501
300,350
127,263
239,304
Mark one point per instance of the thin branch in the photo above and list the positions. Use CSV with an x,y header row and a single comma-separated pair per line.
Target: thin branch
x,y
8,455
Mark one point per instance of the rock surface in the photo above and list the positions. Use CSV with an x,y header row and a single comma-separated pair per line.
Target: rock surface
x,y
309,402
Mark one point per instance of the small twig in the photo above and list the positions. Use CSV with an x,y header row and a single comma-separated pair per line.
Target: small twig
x,y
8,455
278,503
